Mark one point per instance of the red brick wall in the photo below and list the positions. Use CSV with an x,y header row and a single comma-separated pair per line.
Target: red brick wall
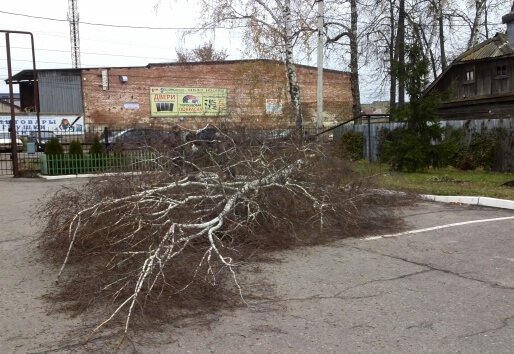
x,y
249,84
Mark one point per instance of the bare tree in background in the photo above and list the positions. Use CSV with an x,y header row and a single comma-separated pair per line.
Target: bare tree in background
x,y
445,28
339,29
400,53
480,10
480,17
204,52
379,42
437,7
274,29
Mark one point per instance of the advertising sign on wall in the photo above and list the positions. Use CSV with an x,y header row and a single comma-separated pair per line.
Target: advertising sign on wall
x,y
176,101
64,124
273,106
134,106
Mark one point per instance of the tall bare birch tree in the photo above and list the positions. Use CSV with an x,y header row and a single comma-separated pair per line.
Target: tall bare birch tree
x,y
479,7
444,27
274,29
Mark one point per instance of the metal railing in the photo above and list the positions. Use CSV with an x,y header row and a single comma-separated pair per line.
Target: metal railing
x,y
32,160
66,164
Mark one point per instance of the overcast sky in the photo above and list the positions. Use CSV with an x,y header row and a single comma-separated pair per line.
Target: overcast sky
x,y
106,46
102,46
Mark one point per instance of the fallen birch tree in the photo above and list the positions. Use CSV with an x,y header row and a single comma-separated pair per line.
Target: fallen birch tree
x,y
143,245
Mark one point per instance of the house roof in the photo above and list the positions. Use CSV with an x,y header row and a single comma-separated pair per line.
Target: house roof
x,y
495,47
28,74
492,48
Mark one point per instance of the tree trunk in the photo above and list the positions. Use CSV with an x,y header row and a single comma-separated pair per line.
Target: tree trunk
x,y
292,79
354,60
440,22
486,21
421,36
392,58
475,29
400,40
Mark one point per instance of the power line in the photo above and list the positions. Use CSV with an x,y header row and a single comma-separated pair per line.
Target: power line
x,y
84,66
202,28
90,53
122,26
44,62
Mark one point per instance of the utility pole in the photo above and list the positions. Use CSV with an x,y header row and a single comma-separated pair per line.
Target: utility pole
x,y
321,44
73,18
12,123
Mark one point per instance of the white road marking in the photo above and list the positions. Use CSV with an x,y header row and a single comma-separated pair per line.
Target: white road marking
x,y
506,258
437,228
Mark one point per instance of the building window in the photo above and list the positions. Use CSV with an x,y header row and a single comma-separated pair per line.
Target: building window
x,y
501,70
468,85
501,80
470,75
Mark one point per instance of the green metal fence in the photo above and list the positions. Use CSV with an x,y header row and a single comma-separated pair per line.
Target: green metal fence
x,y
66,164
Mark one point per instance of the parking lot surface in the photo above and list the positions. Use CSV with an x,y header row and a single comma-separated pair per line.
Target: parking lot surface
x,y
444,288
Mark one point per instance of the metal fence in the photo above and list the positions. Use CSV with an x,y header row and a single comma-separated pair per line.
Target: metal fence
x,y
66,164
32,160
371,132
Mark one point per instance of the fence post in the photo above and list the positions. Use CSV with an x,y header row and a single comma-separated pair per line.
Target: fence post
x,y
43,164
106,136
369,139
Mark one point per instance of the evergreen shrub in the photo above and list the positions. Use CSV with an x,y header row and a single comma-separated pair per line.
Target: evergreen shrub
x,y
54,147
75,148
352,144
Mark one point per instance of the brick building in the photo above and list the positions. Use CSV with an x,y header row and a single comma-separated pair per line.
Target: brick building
x,y
244,92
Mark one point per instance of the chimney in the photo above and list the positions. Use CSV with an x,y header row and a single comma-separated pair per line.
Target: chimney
x,y
509,20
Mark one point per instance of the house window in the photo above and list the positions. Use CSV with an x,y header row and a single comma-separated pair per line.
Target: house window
x,y
501,80
470,75
501,70
468,85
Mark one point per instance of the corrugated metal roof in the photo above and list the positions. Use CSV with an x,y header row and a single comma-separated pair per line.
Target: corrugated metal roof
x,y
494,47
60,91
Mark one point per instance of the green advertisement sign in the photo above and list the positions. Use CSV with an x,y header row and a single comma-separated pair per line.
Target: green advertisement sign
x,y
180,101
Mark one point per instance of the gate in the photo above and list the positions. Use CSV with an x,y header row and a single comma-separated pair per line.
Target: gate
x,y
10,146
19,159
9,149
6,166
28,163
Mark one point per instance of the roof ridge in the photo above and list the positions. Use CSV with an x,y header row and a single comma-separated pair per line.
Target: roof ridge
x,y
495,46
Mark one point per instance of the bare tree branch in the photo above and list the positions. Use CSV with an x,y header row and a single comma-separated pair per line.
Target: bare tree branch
x,y
151,242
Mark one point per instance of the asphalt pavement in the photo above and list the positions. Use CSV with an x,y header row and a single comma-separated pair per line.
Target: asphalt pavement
x,y
445,285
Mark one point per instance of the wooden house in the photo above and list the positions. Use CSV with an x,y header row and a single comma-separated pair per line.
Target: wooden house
x,y
479,83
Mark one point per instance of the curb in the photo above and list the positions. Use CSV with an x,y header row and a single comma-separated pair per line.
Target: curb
x,y
481,201
88,175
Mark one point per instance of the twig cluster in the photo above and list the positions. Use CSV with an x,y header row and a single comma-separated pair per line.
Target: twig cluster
x,y
145,244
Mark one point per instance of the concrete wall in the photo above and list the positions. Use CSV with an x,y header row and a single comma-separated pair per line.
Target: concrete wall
x,y
248,83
